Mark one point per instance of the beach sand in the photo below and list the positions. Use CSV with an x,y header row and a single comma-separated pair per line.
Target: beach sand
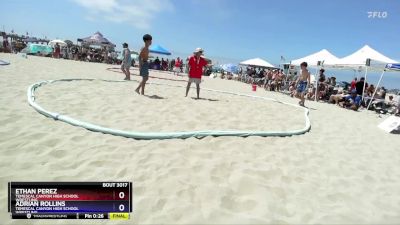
x,y
344,171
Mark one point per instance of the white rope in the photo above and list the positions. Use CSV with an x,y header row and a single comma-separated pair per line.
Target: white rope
x,y
162,135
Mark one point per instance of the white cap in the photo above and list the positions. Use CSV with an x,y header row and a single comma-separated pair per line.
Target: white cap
x,y
198,50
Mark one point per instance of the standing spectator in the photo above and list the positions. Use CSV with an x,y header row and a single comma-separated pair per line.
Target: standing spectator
x,y
6,44
172,65
360,86
181,66
162,64
321,76
196,65
126,61
177,66
166,65
57,51
157,63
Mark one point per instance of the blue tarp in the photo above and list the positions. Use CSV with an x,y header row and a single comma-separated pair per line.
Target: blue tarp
x,y
159,50
36,48
392,66
232,68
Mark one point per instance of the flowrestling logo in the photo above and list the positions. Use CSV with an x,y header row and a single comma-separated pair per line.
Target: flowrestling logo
x,y
377,14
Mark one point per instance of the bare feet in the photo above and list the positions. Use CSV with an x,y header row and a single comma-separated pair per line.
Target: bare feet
x,y
137,91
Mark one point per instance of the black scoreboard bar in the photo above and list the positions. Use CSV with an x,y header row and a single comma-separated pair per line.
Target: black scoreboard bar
x,y
70,200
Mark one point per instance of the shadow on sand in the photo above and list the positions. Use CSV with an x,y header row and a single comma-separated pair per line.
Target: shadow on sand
x,y
154,96
206,99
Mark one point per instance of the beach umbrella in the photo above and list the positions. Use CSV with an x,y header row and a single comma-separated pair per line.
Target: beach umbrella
x,y
232,68
59,42
69,43
157,49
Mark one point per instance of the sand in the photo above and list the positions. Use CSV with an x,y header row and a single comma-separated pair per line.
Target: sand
x,y
344,171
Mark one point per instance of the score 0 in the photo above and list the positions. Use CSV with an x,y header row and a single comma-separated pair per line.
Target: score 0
x,y
121,195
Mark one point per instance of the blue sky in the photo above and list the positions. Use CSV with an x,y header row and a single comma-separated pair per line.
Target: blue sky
x,y
228,30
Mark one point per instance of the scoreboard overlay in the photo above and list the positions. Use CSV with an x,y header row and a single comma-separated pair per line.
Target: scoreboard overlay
x,y
70,200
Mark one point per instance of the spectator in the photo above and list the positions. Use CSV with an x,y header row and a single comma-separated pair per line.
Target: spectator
x,y
371,90
172,65
321,76
157,63
352,101
177,68
181,67
126,61
360,86
353,84
57,51
382,95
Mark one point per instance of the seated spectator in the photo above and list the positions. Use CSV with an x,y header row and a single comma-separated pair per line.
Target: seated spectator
x,y
292,88
352,101
310,93
382,93
321,93
370,90
333,81
393,106
229,76
335,99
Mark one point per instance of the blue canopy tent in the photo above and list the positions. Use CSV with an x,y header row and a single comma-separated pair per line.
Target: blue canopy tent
x,y
390,66
157,49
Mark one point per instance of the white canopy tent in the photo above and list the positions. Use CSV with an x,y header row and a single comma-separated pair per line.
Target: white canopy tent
x,y
257,62
359,60
317,60
313,59
359,57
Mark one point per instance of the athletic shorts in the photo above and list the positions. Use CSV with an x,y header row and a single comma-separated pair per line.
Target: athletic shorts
x,y
302,87
144,70
195,80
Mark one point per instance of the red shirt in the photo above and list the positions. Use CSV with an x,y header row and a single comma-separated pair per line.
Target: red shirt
x,y
178,63
353,85
196,66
